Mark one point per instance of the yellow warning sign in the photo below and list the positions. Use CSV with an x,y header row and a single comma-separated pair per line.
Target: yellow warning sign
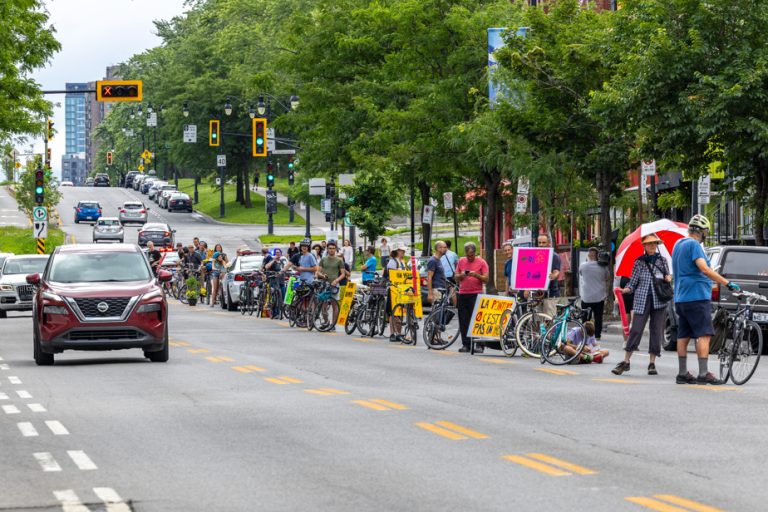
x,y
141,168
146,155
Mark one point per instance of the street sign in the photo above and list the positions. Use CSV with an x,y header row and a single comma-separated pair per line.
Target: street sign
x,y
346,179
146,155
218,182
39,213
270,143
317,186
523,185
40,229
521,205
448,200
271,203
704,189
427,214
325,205
141,168
348,222
282,151
270,133
18,165
221,160
648,167
190,133
152,120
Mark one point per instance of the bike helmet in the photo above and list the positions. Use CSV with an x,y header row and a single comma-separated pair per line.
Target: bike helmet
x,y
699,221
305,243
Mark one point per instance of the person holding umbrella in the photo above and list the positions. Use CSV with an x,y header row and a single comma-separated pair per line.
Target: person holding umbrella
x,y
647,305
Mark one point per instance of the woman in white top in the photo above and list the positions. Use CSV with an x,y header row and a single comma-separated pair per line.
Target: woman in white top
x,y
348,253
395,263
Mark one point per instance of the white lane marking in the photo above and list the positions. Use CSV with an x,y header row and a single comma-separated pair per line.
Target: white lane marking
x,y
1,359
113,500
47,462
57,428
36,407
27,429
4,367
11,409
23,394
3,396
14,380
70,502
81,460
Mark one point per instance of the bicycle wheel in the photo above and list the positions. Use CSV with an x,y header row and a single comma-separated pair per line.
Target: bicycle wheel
x,y
311,306
745,355
265,303
724,358
351,323
325,315
252,296
276,304
242,300
366,320
441,328
555,348
507,338
208,285
528,332
380,318
183,294
408,325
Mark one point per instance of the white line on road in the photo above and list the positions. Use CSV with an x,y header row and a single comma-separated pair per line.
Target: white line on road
x,y
57,428
4,367
36,407
14,380
113,500
81,460
11,409
23,394
70,502
47,462
27,429
1,358
3,396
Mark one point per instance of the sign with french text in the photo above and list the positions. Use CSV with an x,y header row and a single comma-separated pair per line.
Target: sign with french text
x,y
402,290
486,317
531,267
348,296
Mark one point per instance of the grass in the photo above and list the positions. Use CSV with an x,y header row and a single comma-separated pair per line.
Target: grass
x,y
20,241
285,239
235,213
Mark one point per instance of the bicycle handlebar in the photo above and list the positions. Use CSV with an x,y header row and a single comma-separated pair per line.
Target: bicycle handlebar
x,y
750,295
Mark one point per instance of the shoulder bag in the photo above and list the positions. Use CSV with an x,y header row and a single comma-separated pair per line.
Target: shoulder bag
x,y
663,290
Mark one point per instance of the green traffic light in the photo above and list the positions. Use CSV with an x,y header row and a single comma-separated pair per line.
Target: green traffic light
x,y
39,190
259,140
290,165
270,177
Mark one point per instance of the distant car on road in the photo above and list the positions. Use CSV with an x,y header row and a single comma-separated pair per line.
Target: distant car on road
x,y
87,211
133,212
101,180
89,182
158,233
66,184
95,297
15,292
155,188
161,197
146,183
108,229
179,201
138,180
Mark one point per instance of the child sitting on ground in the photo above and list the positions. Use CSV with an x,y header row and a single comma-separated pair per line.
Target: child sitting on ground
x,y
591,353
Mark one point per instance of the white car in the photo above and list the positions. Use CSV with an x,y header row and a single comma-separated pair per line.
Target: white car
x,y
163,194
15,293
242,265
108,228
66,184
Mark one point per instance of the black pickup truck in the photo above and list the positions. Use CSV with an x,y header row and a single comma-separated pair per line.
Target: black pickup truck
x,y
748,267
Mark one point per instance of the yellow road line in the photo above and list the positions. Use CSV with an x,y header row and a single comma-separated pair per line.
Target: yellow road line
x,y
241,369
712,388
213,359
291,380
495,360
538,466
693,505
655,504
617,381
562,463
317,392
441,431
461,430
362,340
371,405
444,352
220,359
197,350
555,371
334,391
178,344
254,368
406,347
274,380
284,324
391,405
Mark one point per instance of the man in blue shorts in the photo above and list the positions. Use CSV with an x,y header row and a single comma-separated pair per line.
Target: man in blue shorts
x,y
693,292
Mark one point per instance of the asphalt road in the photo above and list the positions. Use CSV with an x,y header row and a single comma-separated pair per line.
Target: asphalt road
x,y
250,414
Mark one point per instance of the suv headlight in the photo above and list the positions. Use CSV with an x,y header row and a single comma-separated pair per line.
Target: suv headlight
x,y
55,310
52,296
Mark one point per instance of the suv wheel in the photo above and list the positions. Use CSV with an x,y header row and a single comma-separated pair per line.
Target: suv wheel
x,y
670,335
230,305
161,356
41,358
3,314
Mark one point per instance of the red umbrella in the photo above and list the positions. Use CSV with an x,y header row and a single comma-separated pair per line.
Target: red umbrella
x,y
631,247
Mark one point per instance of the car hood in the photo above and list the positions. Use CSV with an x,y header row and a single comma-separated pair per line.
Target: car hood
x,y
15,279
84,290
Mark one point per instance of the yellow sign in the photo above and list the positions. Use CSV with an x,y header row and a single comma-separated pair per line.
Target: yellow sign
x,y
146,155
486,317
346,303
402,290
717,171
41,246
141,168
18,165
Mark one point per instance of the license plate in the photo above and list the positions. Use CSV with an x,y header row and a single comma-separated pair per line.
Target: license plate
x,y
90,217
760,317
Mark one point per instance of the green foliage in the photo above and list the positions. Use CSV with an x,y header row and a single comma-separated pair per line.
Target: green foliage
x,y
25,190
20,240
376,197
673,199
193,287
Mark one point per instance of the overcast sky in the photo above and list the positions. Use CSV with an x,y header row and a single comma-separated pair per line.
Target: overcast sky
x,y
95,34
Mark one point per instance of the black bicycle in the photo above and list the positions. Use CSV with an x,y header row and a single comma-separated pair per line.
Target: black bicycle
x,y
372,314
740,354
441,328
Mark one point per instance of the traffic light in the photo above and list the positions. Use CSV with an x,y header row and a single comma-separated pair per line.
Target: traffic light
x,y
48,158
270,176
39,186
109,158
290,170
214,132
330,190
259,136
49,131
118,90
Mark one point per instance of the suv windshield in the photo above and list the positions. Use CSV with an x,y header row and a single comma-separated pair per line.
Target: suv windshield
x,y
745,265
99,267
24,266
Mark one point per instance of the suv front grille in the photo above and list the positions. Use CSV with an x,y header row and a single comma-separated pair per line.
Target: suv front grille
x,y
25,292
90,309
104,334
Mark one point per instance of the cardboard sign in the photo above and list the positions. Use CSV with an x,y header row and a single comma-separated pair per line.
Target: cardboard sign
x,y
348,295
531,267
401,281
486,317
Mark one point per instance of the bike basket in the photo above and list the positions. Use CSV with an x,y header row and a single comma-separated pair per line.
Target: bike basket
x,y
378,289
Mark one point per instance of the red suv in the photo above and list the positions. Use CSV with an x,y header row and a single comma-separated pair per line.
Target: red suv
x,y
93,297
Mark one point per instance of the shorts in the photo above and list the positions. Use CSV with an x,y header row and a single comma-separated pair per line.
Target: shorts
x,y
694,319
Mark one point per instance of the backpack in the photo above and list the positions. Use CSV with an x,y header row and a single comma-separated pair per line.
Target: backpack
x,y
720,321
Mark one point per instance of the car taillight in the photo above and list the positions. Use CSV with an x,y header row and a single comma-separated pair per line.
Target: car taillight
x,y
99,211
716,293
239,277
143,211
122,210
79,210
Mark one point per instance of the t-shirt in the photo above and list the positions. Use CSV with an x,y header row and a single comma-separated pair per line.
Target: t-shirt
x,y
438,277
449,260
554,287
277,266
307,260
471,284
393,264
370,265
690,283
193,260
154,256
295,259
575,336
592,281
292,251
332,266
508,272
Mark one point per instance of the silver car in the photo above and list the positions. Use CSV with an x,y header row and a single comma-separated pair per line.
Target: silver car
x,y
163,194
15,293
155,188
137,181
108,229
242,265
133,212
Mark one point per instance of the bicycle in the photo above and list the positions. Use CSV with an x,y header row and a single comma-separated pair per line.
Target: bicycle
x,y
441,328
556,348
298,308
323,309
181,291
248,291
528,331
508,322
372,317
404,315
741,353
361,295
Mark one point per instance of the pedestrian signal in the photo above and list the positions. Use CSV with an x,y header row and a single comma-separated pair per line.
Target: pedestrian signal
x,y
118,90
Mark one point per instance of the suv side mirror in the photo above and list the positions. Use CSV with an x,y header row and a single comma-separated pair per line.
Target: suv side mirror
x,y
33,279
164,276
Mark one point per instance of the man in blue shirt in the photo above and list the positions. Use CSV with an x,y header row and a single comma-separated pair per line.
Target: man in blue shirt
x,y
435,271
693,292
449,260
369,268
307,263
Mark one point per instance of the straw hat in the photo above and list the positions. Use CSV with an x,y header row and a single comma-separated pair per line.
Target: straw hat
x,y
652,239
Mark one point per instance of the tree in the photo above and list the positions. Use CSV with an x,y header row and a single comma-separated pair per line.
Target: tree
x,y
372,200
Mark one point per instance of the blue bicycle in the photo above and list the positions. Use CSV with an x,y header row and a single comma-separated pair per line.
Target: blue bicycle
x,y
564,341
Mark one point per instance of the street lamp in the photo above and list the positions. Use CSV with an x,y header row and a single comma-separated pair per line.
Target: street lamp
x,y
228,107
262,107
185,109
294,102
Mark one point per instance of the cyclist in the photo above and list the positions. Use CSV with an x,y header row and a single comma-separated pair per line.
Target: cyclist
x,y
218,267
331,267
154,257
693,292
307,262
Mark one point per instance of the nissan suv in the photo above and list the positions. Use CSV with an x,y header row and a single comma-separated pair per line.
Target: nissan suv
x,y
15,293
95,297
745,265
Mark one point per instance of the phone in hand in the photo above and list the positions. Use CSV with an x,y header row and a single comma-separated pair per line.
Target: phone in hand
x,y
466,272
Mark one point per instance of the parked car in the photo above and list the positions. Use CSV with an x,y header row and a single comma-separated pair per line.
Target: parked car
x,y
87,211
15,292
158,233
108,229
66,184
138,180
169,260
89,182
101,180
747,266
133,212
129,178
161,197
243,264
3,256
155,188
146,183
99,298
179,201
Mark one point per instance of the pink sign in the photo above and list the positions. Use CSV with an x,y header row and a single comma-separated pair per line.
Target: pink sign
x,y
530,268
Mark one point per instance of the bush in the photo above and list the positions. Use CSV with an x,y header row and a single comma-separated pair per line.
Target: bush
x,y
193,287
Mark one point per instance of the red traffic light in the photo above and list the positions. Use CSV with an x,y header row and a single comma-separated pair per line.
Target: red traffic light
x,y
109,158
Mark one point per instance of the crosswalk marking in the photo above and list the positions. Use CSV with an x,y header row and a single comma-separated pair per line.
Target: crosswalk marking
x,y
549,465
47,462
36,407
658,504
57,428
113,500
81,460
14,380
23,394
3,396
70,502
11,409
27,429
